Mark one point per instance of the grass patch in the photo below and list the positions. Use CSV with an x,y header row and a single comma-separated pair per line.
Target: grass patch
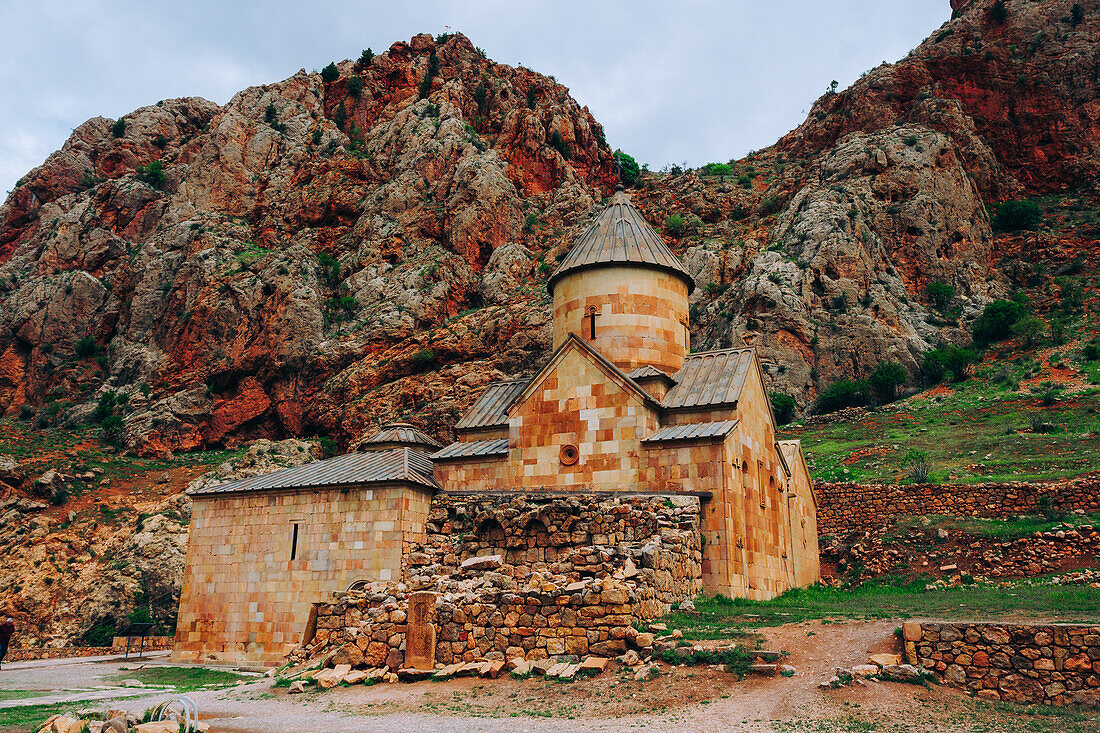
x,y
1001,529
29,717
184,679
721,617
973,433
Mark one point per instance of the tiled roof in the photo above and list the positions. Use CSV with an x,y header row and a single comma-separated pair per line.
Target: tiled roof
x,y
692,431
472,449
620,235
398,465
401,433
709,378
490,408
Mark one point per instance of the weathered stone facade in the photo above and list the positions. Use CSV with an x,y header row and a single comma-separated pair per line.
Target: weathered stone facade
x,y
257,561
852,507
1054,664
582,536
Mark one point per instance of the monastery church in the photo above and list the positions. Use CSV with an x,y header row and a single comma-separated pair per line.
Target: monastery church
x,y
623,407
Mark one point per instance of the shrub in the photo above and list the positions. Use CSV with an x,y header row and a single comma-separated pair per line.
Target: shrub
x,y
112,429
716,169
769,205
100,634
152,174
918,467
426,82
1073,294
530,222
1046,507
86,348
995,322
1028,328
118,129
885,380
328,268
999,12
424,359
330,73
1076,14
843,393
481,97
783,406
531,100
355,86
366,57
340,116
948,362
327,446
628,168
1012,216
941,294
557,143
160,141
674,224
1091,350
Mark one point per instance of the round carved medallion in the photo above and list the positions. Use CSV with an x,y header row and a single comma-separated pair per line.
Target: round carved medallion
x,y
569,455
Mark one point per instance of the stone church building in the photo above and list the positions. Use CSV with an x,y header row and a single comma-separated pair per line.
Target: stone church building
x,y
622,408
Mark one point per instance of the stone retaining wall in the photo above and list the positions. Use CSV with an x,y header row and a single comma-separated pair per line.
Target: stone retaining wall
x,y
855,507
486,618
23,654
1053,664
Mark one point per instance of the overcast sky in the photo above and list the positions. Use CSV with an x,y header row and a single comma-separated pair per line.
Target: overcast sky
x,y
688,81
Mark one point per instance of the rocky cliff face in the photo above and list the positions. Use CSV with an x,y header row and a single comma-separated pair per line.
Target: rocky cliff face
x,y
317,256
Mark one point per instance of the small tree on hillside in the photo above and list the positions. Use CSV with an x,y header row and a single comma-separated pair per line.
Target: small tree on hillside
x,y
330,73
783,406
995,322
999,12
941,294
366,57
1029,329
628,168
1012,216
886,379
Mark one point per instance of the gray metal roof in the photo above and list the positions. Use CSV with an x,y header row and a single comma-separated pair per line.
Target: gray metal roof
x,y
400,434
620,235
709,378
693,431
490,408
399,465
649,372
473,449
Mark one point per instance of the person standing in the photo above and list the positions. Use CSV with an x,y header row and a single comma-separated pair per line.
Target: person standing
x,y
6,630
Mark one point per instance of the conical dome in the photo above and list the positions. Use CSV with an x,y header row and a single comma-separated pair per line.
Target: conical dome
x,y
620,235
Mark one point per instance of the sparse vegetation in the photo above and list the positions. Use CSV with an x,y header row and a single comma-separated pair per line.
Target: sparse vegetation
x,y
330,73
1012,216
152,174
783,406
118,128
941,294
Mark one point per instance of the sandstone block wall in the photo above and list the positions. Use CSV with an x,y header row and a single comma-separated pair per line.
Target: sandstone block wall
x,y
248,586
1053,664
581,536
852,507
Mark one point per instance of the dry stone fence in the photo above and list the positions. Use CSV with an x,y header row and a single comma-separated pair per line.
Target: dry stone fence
x,y
854,507
1054,664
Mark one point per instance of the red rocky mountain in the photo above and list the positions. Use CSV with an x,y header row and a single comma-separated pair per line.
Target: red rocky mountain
x,y
317,256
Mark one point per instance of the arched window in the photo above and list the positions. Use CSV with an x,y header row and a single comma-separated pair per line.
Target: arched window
x,y
592,322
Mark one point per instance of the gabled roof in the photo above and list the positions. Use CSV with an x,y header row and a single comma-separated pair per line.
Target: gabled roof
x,y
620,235
573,342
397,435
399,465
692,431
646,372
709,378
472,449
490,409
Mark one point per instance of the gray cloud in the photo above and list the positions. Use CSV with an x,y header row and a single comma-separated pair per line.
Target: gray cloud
x,y
694,81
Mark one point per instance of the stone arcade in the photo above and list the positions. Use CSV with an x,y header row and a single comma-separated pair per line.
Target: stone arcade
x,y
627,460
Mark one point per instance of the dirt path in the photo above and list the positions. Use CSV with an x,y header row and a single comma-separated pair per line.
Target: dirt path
x,y
699,699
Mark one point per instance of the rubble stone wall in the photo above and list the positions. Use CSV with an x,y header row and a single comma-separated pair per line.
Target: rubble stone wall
x,y
579,536
1053,664
853,507
490,617
22,654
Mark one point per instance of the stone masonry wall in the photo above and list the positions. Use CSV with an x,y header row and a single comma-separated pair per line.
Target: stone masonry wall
x,y
487,617
852,507
1053,664
579,536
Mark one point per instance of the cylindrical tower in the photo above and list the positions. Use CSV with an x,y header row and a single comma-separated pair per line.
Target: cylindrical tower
x,y
622,289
